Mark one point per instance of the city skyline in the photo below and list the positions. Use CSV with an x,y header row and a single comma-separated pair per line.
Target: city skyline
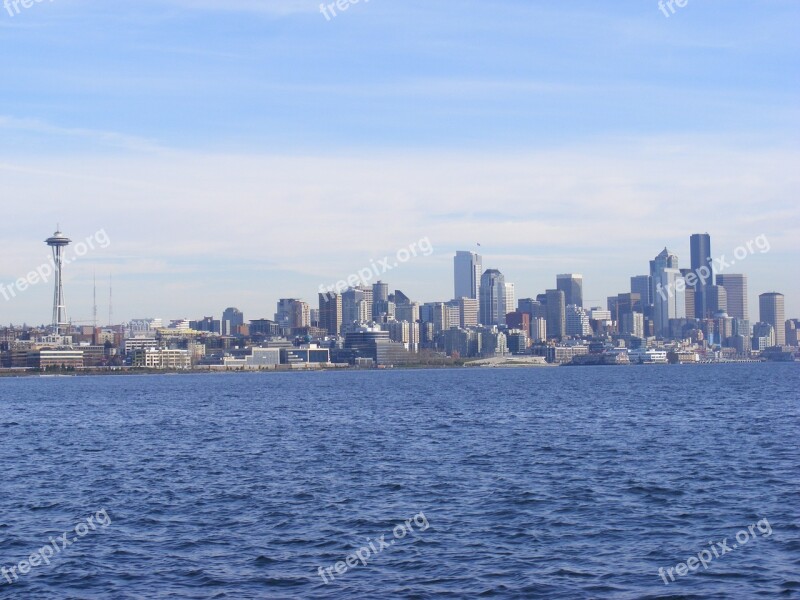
x,y
266,312
211,157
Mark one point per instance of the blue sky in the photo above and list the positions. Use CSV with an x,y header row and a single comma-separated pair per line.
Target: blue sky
x,y
238,152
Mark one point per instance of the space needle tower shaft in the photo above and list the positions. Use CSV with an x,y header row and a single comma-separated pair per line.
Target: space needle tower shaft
x,y
58,242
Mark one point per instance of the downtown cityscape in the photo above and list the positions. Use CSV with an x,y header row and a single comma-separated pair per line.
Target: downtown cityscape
x,y
416,300
671,314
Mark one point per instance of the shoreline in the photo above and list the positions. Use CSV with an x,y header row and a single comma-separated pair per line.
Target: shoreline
x,y
120,371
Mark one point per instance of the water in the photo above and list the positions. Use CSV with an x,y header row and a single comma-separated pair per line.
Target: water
x,y
534,483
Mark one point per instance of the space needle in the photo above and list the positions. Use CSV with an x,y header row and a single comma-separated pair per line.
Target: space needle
x,y
58,242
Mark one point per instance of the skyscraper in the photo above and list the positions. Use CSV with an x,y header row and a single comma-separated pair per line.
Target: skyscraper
x,y
467,269
492,298
736,287
232,319
572,286
717,299
330,313
701,264
669,300
665,260
771,311
556,314
511,299
642,285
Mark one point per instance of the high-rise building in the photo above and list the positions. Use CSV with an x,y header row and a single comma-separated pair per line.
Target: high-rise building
x,y
538,329
717,301
770,310
577,321
701,265
669,286
736,289
763,336
468,308
665,260
689,296
380,300
556,314
632,323
532,307
793,332
642,285
300,315
572,286
467,269
357,306
492,298
232,319
511,299
292,313
330,313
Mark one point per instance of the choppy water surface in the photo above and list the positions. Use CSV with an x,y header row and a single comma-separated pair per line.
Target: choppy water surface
x,y
535,483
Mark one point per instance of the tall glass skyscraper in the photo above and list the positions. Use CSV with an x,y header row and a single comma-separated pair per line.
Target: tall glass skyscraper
x,y
467,270
770,310
669,301
493,298
701,257
572,286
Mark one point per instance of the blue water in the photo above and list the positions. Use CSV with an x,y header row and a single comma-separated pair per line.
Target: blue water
x,y
534,483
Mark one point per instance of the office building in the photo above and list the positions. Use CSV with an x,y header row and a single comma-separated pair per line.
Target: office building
x,y
330,313
642,285
232,320
556,314
793,332
770,310
577,321
669,298
511,299
467,270
736,290
703,269
717,301
492,298
532,307
572,286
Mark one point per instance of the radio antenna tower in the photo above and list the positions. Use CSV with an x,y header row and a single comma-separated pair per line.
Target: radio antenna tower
x,y
58,242
110,302
94,298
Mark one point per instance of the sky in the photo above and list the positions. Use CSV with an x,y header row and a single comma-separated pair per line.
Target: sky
x,y
235,152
